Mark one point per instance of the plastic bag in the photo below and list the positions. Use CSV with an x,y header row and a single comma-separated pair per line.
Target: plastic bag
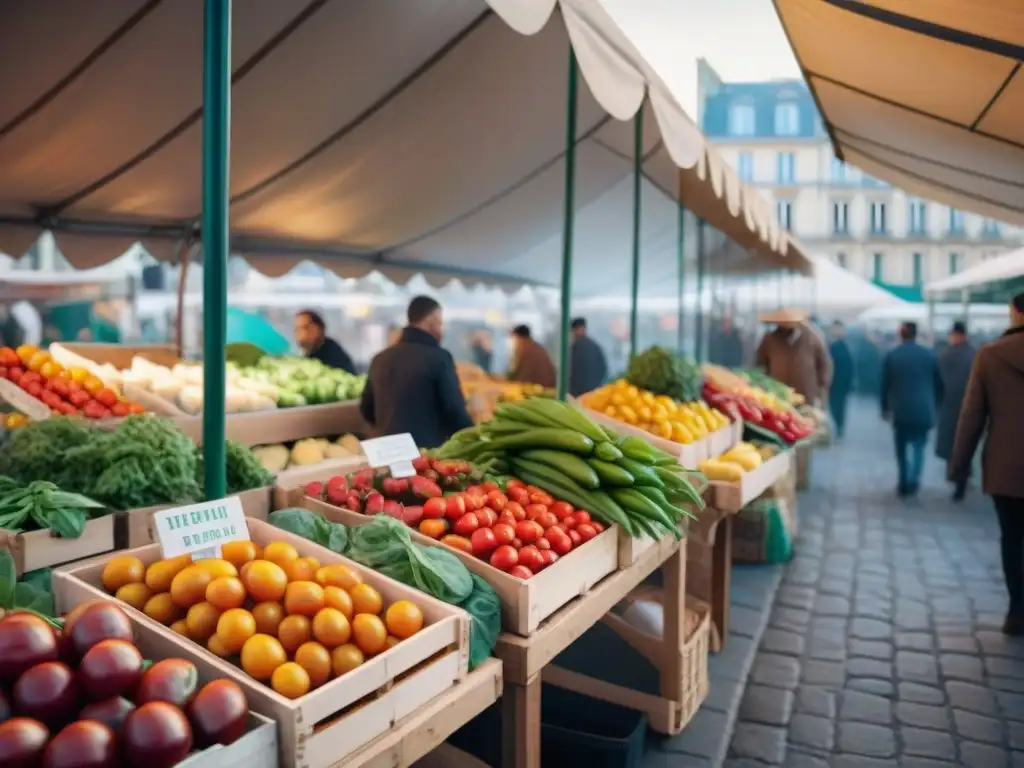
x,y
484,608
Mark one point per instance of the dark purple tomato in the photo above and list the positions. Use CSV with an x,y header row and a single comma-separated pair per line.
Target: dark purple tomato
x,y
172,680
47,693
22,741
25,640
219,713
98,622
156,735
83,744
111,712
109,668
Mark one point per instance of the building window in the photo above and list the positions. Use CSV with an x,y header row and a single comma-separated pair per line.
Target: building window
x,y
877,267
745,166
838,170
787,119
918,269
990,228
878,218
741,120
956,221
954,263
784,212
917,215
787,168
841,260
841,218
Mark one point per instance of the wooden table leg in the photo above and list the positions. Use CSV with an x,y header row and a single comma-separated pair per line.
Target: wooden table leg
x,y
520,724
674,625
721,577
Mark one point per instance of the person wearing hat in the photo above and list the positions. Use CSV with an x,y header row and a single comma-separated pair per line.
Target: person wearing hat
x,y
796,355
955,369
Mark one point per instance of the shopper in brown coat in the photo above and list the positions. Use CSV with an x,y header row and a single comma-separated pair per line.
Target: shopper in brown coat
x,y
995,402
531,363
795,354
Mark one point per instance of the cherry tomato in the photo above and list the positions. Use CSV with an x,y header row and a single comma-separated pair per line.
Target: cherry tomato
x,y
541,497
516,509
542,543
546,519
484,541
549,556
599,527
34,388
562,509
517,544
585,531
51,398
119,410
530,557
533,511
496,500
434,509
568,523
455,507
136,408
475,500
487,517
520,572
518,494
489,487
515,482
67,409
15,372
575,537
79,398
435,528
581,517
106,397
466,524
60,386
458,542
507,518
528,531
476,489
560,541
504,558
504,533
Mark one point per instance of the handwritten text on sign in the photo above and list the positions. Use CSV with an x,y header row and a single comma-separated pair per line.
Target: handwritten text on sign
x,y
200,529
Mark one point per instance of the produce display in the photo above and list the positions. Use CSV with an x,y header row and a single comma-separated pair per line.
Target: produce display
x,y
664,373
303,453
287,621
557,448
737,461
484,391
144,461
775,387
658,414
41,505
71,392
768,414
84,696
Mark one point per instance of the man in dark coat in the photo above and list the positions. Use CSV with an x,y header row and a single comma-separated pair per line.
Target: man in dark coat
x,y
911,388
588,367
726,345
531,363
955,369
993,402
842,376
311,334
412,385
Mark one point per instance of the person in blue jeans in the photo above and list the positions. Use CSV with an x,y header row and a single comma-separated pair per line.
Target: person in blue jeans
x,y
911,390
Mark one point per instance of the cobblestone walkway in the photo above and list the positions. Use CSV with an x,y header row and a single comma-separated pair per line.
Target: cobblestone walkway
x,y
883,646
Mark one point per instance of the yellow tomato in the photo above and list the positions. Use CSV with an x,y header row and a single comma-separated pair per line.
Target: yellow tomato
x,y
92,384
79,374
632,391
681,434
659,411
15,420
663,429
38,360
618,398
612,412
621,384
647,398
25,352
628,414
50,369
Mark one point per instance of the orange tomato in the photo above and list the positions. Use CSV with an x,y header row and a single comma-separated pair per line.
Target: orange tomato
x,y
261,656
336,597
122,570
293,632
161,607
25,352
434,528
92,384
369,633
403,619
458,542
338,576
366,599
345,658
181,627
391,642
290,680
202,621
268,617
38,360
234,627
302,569
160,574
265,580
331,627
78,375
280,552
51,369
238,553
316,660
304,598
136,595
216,646
217,567
226,592
189,586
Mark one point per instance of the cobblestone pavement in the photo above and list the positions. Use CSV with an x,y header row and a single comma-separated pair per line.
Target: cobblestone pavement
x,y
883,646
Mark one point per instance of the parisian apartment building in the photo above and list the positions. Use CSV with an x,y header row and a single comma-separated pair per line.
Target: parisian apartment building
x,y
772,135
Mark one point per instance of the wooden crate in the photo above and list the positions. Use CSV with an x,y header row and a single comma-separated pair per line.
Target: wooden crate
x,y
256,749
689,455
524,603
41,549
732,497
256,503
326,725
284,425
723,439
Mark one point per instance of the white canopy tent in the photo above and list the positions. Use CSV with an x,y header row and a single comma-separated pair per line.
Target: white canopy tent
x,y
368,135
988,274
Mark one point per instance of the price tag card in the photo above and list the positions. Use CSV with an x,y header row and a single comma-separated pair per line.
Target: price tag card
x,y
396,452
200,529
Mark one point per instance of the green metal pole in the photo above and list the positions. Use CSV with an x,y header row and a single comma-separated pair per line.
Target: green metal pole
x,y
216,164
699,324
681,256
638,156
567,226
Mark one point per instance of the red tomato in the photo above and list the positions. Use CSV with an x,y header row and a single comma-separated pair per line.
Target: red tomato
x,y
530,557
458,542
487,517
476,489
475,500
67,409
528,531
519,495
489,487
484,541
496,500
79,397
562,509
504,558
14,373
119,410
542,543
106,397
547,519
568,523
517,543
466,524
34,388
549,556
585,531
508,518
455,507
52,399
60,386
514,482
581,517
504,533
434,509
533,511
540,497
575,537
516,509
599,527
520,572
560,541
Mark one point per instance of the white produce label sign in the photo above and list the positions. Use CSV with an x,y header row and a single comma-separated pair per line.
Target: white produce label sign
x,y
202,529
394,451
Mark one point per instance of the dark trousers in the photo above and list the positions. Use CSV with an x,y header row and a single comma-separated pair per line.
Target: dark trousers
x,y
910,444
837,404
1011,528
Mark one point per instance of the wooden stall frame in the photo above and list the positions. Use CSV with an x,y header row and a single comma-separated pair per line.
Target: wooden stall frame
x,y
283,425
32,550
256,503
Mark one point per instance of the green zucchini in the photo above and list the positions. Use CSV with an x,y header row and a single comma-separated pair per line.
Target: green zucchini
x,y
642,474
634,501
611,475
545,437
606,451
670,509
637,450
515,412
573,467
565,415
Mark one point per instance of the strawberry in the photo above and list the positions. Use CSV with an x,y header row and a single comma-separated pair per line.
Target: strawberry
x,y
354,501
424,488
393,509
363,480
374,503
421,464
394,487
315,489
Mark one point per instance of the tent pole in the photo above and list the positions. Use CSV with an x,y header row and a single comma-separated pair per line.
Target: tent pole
x,y
216,165
699,320
567,226
681,257
638,156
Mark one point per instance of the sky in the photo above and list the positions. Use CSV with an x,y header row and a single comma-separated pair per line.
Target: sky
x,y
741,39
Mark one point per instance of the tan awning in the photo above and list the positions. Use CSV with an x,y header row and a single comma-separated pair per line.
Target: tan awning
x,y
926,94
